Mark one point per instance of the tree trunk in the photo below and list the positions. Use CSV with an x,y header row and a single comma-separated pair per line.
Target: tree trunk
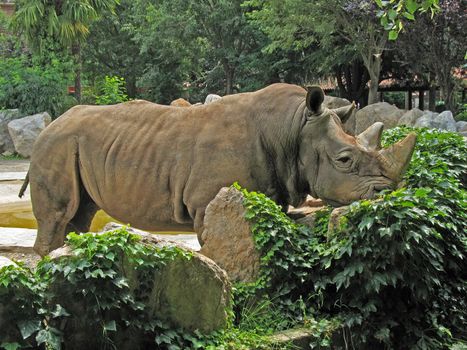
x,y
229,81
373,64
432,98
351,80
76,52
373,90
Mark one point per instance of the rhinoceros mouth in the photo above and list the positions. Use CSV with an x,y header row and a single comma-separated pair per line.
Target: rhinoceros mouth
x,y
375,186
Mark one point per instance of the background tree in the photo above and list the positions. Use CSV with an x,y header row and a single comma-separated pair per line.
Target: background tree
x,y
64,21
434,47
352,25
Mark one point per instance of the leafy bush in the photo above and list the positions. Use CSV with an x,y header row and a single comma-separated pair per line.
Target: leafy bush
x,y
87,299
94,278
32,88
21,307
462,114
111,91
395,98
394,272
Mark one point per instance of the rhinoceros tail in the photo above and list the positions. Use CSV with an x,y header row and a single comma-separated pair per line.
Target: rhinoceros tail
x,y
25,185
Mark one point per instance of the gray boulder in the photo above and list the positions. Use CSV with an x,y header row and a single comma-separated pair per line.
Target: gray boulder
x,y
211,98
6,116
461,126
445,121
383,112
333,102
442,121
227,237
410,117
426,120
25,131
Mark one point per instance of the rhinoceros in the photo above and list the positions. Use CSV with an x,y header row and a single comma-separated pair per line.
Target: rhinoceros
x,y
157,167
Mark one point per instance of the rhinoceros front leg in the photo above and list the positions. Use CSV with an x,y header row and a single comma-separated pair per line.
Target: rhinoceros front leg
x,y
52,223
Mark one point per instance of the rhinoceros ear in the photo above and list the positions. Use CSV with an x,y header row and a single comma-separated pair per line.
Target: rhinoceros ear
x,y
345,112
314,99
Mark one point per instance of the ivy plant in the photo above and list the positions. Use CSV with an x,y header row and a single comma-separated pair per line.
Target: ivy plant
x,y
393,272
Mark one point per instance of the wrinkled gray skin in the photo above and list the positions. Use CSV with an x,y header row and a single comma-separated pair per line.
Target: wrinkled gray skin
x,y
157,167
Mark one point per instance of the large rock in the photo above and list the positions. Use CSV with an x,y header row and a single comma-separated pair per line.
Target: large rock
x,y
461,126
180,102
410,117
193,294
333,102
426,120
383,112
25,131
442,121
6,116
211,98
227,236
445,121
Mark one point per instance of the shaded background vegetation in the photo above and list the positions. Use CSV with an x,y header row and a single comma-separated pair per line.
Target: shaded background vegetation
x,y
170,49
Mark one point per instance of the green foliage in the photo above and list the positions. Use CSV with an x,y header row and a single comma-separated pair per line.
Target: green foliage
x,y
97,297
111,91
462,114
21,311
33,88
395,98
66,22
393,274
394,12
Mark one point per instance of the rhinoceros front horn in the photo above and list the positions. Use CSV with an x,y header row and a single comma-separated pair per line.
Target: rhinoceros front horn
x,y
396,158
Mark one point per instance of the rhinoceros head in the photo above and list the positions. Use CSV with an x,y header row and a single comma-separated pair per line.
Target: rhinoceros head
x,y
340,168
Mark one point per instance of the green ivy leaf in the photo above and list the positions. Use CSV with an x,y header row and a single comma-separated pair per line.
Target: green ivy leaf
x,y
110,326
28,328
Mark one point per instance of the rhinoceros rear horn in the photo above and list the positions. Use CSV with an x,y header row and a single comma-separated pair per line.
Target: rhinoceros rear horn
x,y
371,137
345,112
396,158
314,99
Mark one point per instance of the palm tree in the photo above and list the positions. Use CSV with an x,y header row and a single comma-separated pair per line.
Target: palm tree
x,y
64,21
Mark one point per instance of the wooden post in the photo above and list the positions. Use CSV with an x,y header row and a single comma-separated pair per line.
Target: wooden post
x,y
421,99
380,93
408,100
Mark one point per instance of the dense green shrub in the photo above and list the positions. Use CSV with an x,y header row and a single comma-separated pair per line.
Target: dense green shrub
x,y
395,98
111,91
21,307
33,88
87,300
462,113
394,273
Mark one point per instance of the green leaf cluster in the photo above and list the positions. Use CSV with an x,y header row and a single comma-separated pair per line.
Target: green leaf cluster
x,y
89,299
394,272
33,87
394,12
111,91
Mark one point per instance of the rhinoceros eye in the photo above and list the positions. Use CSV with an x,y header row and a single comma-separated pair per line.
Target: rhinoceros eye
x,y
344,160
